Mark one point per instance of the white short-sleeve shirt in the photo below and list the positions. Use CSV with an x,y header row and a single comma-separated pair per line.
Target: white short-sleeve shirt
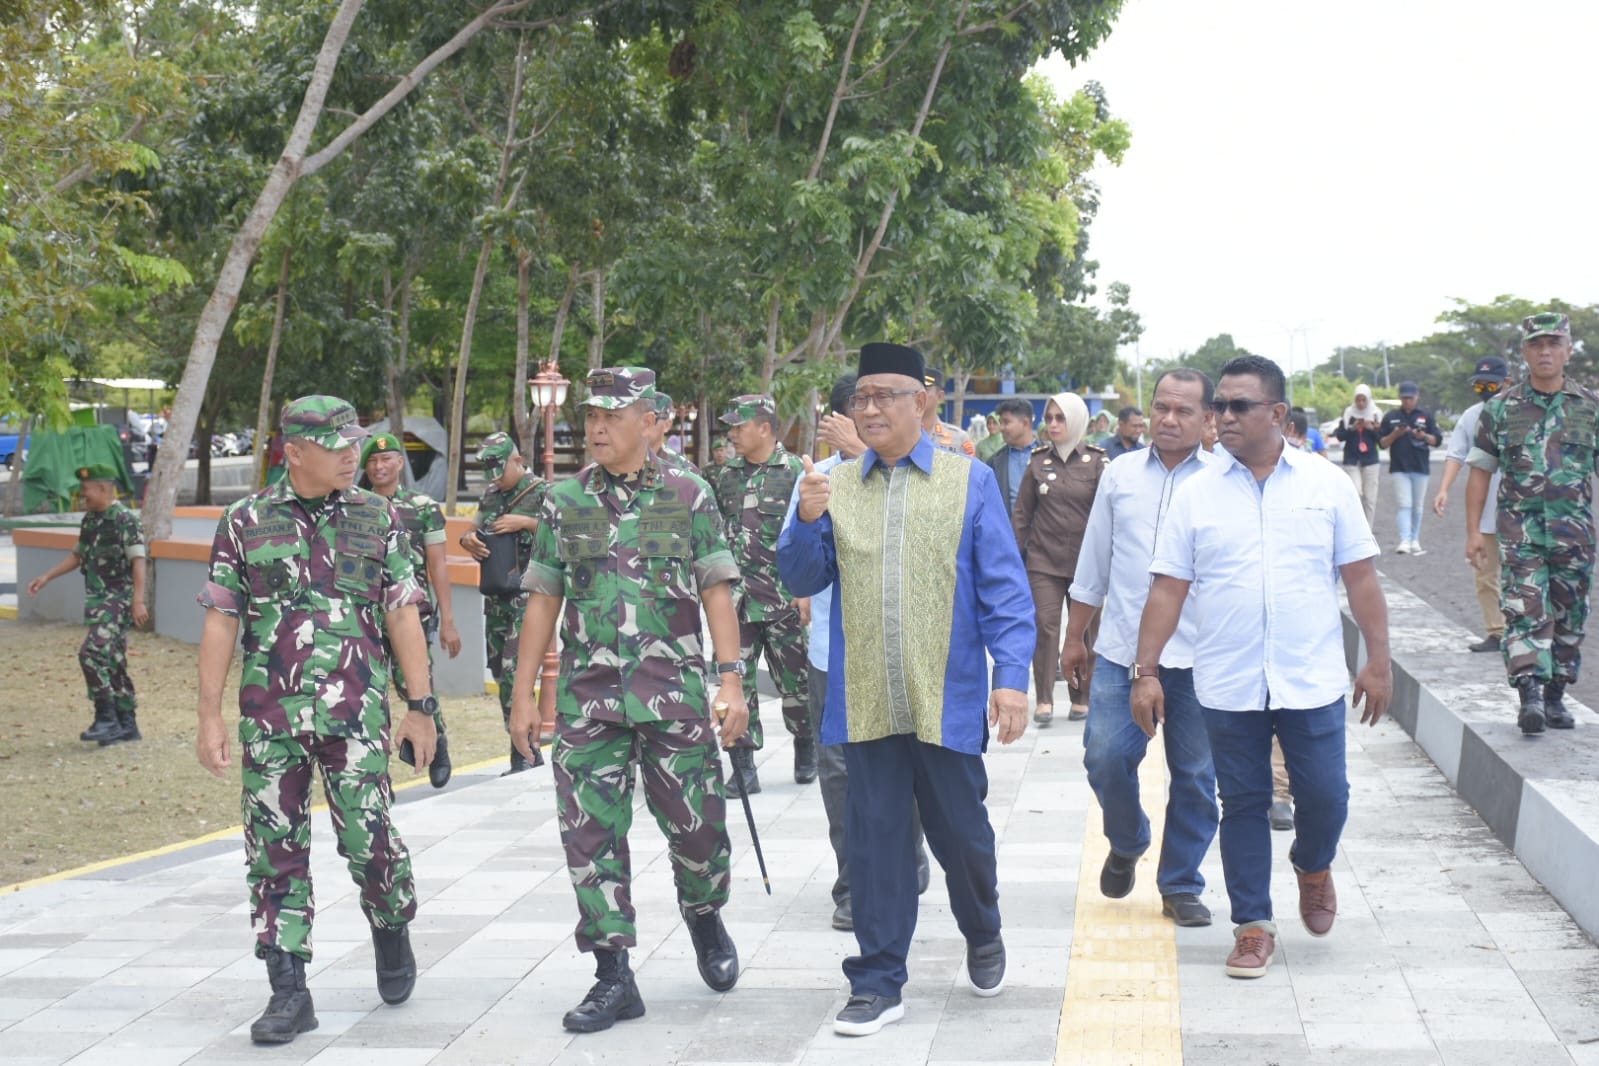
x,y
1263,560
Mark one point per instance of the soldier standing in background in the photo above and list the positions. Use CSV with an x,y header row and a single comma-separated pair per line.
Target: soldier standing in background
x,y
719,456
946,435
665,412
111,552
510,505
1541,434
628,551
320,573
752,494
383,460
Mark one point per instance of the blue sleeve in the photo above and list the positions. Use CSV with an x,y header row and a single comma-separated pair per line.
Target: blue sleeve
x,y
806,560
1004,599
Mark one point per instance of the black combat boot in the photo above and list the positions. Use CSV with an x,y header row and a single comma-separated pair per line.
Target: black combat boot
x,y
104,724
743,781
518,764
439,768
804,759
1554,706
1531,716
713,948
614,997
396,965
127,728
289,1012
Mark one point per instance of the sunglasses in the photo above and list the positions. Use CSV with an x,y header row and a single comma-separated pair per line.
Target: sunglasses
x,y
1239,407
1489,387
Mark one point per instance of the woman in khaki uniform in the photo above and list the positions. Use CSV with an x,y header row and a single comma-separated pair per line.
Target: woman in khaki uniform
x,y
1051,513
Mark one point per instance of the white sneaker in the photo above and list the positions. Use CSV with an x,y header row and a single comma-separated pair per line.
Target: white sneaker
x,y
1416,548
1404,547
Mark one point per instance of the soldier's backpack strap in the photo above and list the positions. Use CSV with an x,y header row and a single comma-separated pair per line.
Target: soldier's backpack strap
x,y
535,483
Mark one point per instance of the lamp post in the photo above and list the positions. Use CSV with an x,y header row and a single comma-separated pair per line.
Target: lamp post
x,y
549,393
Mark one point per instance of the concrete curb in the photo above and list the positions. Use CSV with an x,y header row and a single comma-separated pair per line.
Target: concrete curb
x,y
1540,794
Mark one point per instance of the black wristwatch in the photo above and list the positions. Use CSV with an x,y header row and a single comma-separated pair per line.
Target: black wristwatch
x,y
735,667
426,705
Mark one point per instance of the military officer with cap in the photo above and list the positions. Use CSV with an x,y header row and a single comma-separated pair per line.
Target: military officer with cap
x,y
510,506
628,552
665,413
1541,434
110,551
383,461
320,574
752,493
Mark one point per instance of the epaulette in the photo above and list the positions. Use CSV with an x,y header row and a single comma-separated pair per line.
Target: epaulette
x,y
1041,446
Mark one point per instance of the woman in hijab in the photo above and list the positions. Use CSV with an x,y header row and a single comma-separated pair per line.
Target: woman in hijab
x,y
1052,505
1358,430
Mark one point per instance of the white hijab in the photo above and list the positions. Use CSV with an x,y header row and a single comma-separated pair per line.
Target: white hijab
x,y
1076,411
1352,412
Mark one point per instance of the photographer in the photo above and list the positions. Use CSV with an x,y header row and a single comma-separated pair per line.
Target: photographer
x,y
1358,430
1409,434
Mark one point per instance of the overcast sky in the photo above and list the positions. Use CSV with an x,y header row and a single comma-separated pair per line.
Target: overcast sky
x,y
1315,175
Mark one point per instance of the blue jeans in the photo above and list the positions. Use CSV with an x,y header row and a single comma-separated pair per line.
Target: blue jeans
x,y
1113,746
1410,496
1313,747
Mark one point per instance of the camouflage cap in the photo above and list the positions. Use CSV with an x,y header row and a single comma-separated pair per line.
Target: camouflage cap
x,y
97,472
1546,324
325,420
383,442
615,387
751,405
495,451
664,404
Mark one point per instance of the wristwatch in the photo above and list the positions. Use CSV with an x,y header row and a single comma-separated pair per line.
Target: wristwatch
x,y
426,705
735,667
1134,672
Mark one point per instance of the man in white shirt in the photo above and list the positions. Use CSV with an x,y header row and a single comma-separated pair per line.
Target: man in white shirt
x,y
1134,494
1262,541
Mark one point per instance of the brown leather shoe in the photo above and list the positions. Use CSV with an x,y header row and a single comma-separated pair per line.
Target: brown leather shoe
x,y
1252,952
1318,901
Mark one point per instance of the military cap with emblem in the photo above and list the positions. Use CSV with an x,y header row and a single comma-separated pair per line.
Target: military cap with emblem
x,y
96,472
325,420
495,451
933,377
741,409
383,442
1490,368
1546,324
615,387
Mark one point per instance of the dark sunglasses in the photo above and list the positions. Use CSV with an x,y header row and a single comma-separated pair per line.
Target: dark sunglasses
x,y
1490,387
1239,407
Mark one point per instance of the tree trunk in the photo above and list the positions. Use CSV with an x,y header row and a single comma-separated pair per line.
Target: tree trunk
x,y
398,365
961,378
202,452
558,327
597,309
769,359
14,489
519,414
263,411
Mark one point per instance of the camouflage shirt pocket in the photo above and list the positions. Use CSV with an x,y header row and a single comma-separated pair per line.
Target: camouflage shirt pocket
x,y
358,565
664,559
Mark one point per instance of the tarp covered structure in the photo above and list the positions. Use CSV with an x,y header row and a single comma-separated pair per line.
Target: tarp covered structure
x,y
51,475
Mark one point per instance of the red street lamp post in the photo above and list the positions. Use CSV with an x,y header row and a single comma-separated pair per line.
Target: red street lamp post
x,y
549,393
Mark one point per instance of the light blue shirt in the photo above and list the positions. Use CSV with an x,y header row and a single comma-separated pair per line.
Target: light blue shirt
x,y
1461,438
821,606
1134,493
1017,458
1263,561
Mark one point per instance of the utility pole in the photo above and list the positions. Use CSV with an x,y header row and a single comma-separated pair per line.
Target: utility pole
x,y
1387,378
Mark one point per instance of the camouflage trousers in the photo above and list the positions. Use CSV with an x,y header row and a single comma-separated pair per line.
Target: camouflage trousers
x,y
1544,584
682,774
277,834
104,655
430,632
782,639
502,628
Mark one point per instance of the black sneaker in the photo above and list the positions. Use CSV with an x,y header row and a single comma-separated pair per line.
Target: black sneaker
x,y
1184,909
844,916
985,968
865,1015
1116,877
1489,643
1281,814
614,997
713,949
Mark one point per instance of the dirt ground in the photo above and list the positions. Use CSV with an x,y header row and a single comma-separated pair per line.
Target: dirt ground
x,y
65,803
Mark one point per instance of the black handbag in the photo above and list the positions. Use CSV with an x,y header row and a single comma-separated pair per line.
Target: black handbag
x,y
498,575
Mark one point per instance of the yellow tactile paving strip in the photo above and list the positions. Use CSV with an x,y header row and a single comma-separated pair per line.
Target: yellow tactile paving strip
x,y
1121,1006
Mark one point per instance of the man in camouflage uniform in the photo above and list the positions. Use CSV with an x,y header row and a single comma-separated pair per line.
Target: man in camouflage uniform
x,y
383,460
110,550
752,493
510,505
665,413
946,435
628,552
319,573
719,453
1541,435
